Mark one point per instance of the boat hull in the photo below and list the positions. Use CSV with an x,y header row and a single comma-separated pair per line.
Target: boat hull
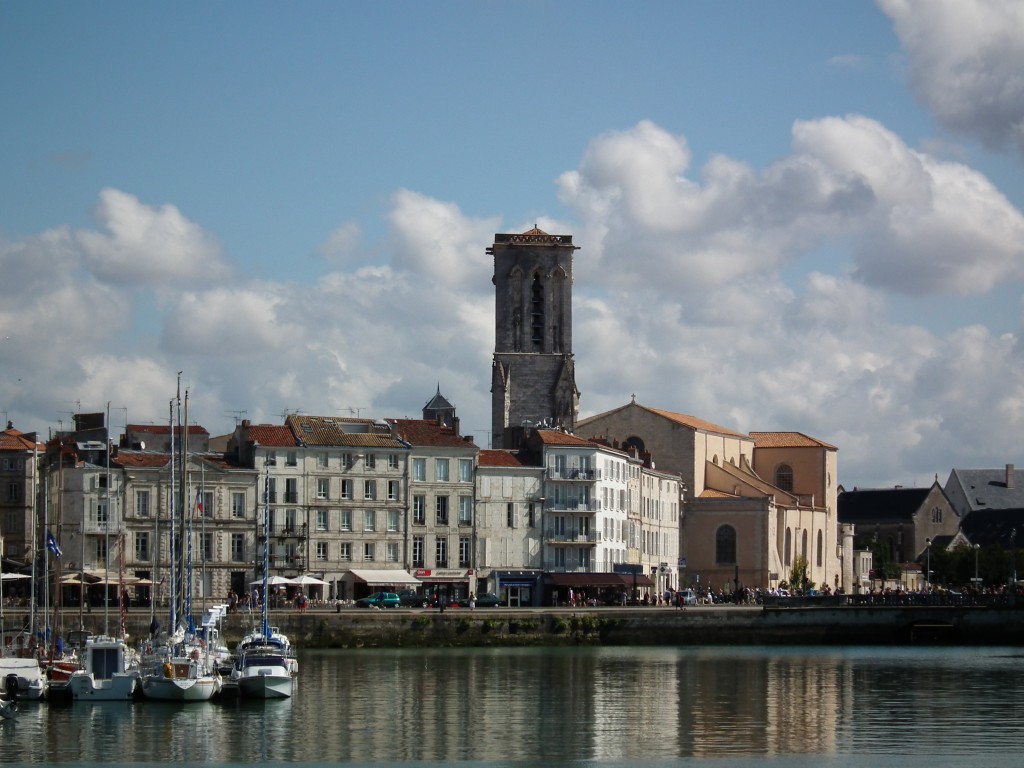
x,y
159,688
265,684
22,678
120,687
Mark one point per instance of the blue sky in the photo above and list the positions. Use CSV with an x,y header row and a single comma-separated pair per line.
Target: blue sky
x,y
792,215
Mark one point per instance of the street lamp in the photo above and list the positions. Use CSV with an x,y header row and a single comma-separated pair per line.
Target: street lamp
x,y
928,566
977,581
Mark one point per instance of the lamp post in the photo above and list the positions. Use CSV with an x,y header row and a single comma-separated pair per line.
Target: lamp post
x,y
977,581
928,566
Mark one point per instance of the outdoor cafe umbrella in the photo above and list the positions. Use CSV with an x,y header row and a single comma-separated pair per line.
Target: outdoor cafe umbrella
x,y
13,576
308,581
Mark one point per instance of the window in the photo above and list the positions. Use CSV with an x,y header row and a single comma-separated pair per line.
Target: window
x,y
392,552
208,509
392,490
464,551
441,551
101,512
441,508
237,547
788,551
323,485
533,516
272,490
510,515
465,470
346,519
291,459
321,551
560,557
368,551
346,489
393,520
465,510
142,507
936,514
321,519
392,461
271,458
369,520
206,548
291,490
419,469
370,489
419,510
371,461
347,461
820,549
784,478
345,551
142,546
322,460
417,551
238,505
441,470
725,545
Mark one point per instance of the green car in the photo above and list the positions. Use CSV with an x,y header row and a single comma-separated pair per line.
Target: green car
x,y
379,599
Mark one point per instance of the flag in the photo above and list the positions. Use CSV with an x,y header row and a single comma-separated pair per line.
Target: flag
x,y
51,544
199,503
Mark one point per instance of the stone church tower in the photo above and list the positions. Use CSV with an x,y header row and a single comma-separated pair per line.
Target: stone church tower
x,y
533,378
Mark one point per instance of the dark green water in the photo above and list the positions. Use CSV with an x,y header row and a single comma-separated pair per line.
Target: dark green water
x,y
746,706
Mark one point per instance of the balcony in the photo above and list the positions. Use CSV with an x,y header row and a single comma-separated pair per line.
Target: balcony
x,y
573,504
572,537
578,474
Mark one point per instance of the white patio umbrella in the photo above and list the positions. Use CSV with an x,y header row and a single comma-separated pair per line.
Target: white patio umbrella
x,y
306,581
14,576
273,581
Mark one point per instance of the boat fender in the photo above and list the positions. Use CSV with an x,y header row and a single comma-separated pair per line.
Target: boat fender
x,y
195,654
168,670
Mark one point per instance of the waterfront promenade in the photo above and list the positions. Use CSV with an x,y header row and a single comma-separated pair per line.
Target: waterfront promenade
x,y
781,623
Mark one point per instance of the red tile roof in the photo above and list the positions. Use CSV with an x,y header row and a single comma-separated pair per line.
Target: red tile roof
x,y
165,429
272,435
555,437
428,433
787,440
493,457
13,440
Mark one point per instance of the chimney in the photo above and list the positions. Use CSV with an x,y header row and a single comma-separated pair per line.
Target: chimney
x,y
1009,477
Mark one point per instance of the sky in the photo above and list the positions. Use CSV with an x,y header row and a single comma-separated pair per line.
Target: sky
x,y
791,216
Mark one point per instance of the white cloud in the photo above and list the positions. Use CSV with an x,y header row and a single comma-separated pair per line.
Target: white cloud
x,y
966,64
144,244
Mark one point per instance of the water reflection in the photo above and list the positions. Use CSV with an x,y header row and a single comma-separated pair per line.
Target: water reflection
x,y
614,705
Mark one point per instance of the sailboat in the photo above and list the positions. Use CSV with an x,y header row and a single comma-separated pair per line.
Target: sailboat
x,y
110,669
264,664
183,668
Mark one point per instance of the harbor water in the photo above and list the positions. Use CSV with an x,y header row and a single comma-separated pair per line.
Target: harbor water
x,y
721,706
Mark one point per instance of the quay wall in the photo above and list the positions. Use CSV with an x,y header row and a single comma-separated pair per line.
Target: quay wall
x,y
725,625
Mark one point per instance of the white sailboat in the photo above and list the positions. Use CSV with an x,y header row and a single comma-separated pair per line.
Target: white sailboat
x,y
264,664
110,669
183,669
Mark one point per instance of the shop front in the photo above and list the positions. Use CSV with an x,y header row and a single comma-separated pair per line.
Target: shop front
x,y
449,585
516,589
593,589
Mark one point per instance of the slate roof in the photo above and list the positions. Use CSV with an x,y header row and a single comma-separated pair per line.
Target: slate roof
x,y
895,505
995,527
986,488
788,440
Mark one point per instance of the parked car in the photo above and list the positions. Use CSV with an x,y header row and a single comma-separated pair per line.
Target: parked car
x,y
380,600
687,597
488,600
413,599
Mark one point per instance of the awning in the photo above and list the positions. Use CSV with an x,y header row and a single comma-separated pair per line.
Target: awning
x,y
597,580
385,577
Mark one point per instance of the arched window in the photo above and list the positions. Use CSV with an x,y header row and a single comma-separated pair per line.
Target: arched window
x,y
634,442
803,545
821,548
725,545
788,554
537,310
784,478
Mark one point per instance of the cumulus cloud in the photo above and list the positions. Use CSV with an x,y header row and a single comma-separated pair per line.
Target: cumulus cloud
x,y
965,63
915,224
143,244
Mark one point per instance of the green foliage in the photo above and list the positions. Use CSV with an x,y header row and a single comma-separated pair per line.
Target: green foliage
x,y
559,625
798,575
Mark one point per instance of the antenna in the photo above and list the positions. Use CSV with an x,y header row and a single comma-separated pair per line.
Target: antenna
x,y
238,415
356,411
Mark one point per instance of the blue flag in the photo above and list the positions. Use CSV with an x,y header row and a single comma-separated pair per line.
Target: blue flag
x,y
51,544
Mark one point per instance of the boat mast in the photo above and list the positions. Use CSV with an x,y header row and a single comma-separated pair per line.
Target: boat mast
x,y
265,624
172,582
106,533
186,525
